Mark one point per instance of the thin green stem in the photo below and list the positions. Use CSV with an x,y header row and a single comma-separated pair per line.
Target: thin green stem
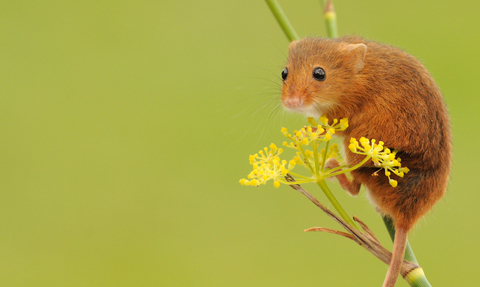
x,y
296,175
300,148
295,182
325,155
282,20
330,19
335,203
316,159
334,169
351,168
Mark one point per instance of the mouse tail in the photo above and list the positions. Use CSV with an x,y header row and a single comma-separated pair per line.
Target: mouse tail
x,y
400,242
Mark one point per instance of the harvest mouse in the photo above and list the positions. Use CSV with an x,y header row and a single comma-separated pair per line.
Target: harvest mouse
x,y
387,95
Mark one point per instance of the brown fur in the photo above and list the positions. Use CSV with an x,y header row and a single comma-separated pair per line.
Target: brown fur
x,y
392,98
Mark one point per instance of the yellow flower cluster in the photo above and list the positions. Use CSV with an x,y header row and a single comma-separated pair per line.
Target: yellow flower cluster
x,y
381,157
316,132
266,166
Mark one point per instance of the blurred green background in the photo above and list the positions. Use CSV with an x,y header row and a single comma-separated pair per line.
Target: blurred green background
x,y
126,125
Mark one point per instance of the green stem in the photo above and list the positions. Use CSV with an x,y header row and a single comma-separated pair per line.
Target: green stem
x,y
409,255
335,169
296,175
282,20
352,168
330,19
325,155
418,279
316,159
300,148
335,203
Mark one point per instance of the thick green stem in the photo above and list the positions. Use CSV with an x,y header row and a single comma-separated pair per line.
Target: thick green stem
x,y
409,255
282,20
416,278
335,203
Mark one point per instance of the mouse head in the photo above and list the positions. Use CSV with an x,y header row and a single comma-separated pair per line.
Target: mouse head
x,y
318,72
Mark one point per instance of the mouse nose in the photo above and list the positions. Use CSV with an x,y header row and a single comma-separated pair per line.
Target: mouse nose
x,y
293,102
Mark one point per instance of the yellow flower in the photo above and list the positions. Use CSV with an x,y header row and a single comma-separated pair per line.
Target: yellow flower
x,y
381,157
318,132
267,165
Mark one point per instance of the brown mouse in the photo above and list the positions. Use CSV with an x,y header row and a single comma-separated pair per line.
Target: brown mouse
x,y
387,95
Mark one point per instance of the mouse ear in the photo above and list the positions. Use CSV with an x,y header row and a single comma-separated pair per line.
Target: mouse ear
x,y
356,55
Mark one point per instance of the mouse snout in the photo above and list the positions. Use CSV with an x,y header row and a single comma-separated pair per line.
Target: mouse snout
x,y
292,102
293,96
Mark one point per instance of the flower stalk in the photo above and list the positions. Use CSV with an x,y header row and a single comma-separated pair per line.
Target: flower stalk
x,y
282,20
330,18
335,203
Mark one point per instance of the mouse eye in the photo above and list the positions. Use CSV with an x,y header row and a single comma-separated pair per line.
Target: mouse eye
x,y
284,74
319,74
